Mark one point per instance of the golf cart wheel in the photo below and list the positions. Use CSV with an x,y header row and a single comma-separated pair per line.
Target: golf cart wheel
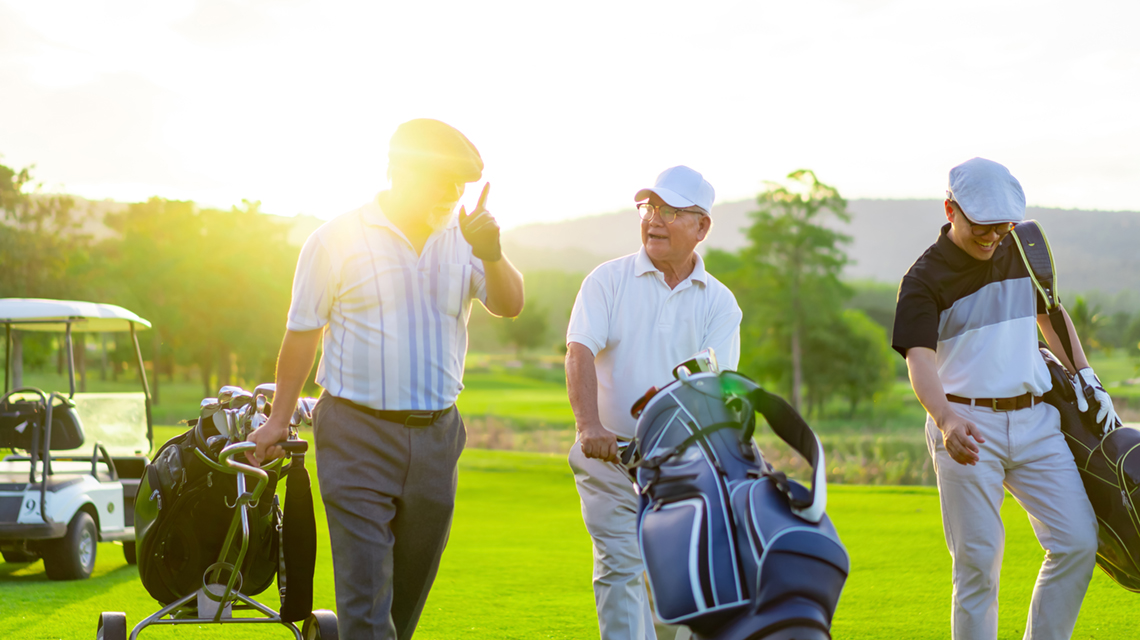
x,y
129,552
320,625
112,626
19,555
72,557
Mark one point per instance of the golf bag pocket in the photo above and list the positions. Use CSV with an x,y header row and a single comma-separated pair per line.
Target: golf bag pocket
x,y
783,556
673,543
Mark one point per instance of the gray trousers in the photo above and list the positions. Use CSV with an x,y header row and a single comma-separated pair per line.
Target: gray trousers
x,y
389,494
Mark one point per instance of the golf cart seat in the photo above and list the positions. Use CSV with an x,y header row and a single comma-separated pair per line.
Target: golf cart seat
x,y
21,417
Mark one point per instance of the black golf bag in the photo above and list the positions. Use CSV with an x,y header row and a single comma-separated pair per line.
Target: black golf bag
x,y
1109,463
184,511
733,549
1110,470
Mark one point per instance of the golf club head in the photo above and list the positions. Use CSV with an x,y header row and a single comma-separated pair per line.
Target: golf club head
x,y
266,389
227,392
303,414
208,408
222,422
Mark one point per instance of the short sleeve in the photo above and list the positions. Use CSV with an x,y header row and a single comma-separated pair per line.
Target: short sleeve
x,y
916,317
590,317
314,288
722,334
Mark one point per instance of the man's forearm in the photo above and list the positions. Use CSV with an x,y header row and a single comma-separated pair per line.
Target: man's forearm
x,y
1054,342
505,295
923,370
298,350
582,384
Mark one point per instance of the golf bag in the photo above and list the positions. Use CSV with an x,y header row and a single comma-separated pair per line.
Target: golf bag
x,y
733,549
1110,470
184,511
1109,464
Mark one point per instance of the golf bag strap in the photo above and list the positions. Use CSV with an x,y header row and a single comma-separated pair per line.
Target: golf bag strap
x,y
787,423
298,544
1038,257
699,434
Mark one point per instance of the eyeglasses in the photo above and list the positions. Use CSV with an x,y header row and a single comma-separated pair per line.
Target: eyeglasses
x,y
666,213
1001,228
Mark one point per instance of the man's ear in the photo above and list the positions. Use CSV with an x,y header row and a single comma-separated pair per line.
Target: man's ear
x,y
703,226
949,211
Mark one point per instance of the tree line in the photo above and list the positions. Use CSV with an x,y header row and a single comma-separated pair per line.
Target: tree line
x,y
216,286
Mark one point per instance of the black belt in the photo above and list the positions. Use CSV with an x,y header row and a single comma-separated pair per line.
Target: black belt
x,y
410,419
1024,401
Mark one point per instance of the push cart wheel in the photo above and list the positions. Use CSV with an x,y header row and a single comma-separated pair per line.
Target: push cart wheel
x,y
321,625
129,552
72,557
112,626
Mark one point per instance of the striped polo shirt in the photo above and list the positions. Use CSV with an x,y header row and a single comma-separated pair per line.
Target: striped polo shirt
x,y
979,316
395,324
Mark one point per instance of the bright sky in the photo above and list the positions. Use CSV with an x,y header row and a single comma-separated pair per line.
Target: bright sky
x,y
574,106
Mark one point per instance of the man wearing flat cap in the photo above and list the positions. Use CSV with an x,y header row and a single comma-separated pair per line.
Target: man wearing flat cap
x,y
966,323
387,289
635,319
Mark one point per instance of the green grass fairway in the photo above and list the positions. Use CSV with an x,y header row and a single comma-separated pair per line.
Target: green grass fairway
x,y
518,567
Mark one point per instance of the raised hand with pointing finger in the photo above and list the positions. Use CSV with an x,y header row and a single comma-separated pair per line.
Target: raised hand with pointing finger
x,y
480,229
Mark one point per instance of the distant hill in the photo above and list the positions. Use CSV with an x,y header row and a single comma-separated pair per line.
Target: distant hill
x,y
1094,250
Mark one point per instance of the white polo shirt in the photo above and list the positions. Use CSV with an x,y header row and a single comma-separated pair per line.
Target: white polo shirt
x,y
395,323
639,330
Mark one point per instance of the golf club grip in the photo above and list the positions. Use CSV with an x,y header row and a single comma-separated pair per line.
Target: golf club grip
x,y
294,446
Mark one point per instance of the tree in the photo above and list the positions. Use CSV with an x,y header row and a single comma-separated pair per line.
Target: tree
x,y
528,330
1087,320
793,263
43,251
851,357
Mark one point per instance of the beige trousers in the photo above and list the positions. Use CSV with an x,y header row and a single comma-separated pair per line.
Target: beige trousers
x,y
609,508
1024,452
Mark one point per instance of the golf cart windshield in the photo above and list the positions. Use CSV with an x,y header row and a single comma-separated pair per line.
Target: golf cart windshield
x,y
119,420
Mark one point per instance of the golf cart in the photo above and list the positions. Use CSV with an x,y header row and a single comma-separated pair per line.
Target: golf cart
x,y
64,489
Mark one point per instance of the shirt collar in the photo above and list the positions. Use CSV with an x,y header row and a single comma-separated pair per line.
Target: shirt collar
x,y
643,265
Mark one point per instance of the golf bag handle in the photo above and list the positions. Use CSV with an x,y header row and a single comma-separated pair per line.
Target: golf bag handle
x,y
787,423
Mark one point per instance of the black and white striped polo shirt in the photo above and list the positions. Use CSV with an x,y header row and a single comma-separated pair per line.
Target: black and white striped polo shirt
x,y
979,316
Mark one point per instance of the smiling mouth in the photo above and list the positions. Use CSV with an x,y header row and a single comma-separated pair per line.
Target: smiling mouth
x,y
987,246
653,236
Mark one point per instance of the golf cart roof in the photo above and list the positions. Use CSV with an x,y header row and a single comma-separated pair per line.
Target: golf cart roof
x,y
37,314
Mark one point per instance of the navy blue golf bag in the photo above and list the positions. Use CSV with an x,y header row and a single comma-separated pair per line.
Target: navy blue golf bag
x,y
733,549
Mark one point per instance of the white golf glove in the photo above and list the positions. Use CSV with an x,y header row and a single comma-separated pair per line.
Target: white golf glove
x,y
1105,414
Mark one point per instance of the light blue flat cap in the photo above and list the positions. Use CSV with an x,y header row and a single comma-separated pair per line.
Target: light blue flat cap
x,y
987,192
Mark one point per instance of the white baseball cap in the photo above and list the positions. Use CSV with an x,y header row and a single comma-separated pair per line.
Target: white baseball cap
x,y
681,187
987,192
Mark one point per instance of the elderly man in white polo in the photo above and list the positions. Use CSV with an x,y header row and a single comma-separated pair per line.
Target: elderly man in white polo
x,y
634,320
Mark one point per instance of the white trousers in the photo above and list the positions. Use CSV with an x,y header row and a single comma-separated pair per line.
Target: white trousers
x,y
1025,452
609,508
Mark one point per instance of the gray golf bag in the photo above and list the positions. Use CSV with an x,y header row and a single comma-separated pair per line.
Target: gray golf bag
x,y
733,549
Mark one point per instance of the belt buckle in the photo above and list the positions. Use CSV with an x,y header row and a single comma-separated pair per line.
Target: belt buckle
x,y
419,420
997,408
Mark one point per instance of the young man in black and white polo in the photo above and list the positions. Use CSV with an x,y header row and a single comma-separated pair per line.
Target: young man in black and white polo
x,y
966,322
